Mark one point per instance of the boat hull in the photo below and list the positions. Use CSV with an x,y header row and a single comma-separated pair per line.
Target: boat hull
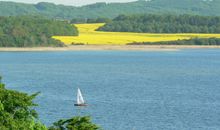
x,y
80,105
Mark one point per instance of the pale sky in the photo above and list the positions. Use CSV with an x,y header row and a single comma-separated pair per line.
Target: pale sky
x,y
70,2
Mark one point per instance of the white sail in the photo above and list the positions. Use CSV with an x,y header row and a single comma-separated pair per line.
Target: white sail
x,y
80,97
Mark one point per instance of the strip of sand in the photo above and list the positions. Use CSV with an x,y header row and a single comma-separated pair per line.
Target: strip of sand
x,y
110,47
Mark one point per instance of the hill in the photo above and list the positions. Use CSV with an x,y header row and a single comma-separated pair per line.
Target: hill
x,y
26,31
200,7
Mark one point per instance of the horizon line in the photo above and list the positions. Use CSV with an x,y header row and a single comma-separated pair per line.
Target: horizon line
x,y
35,3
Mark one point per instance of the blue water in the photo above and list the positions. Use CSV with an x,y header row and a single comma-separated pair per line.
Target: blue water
x,y
125,90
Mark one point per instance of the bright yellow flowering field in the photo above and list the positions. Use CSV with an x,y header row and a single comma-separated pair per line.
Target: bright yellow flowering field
x,y
88,35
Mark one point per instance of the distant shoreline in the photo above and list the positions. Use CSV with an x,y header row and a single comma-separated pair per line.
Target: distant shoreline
x,y
109,47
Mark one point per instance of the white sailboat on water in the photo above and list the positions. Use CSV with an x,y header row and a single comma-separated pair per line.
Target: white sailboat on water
x,y
79,100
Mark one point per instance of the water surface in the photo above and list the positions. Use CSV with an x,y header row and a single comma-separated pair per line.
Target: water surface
x,y
125,90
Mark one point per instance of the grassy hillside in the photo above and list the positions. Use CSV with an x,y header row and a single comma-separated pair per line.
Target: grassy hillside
x,y
200,7
88,35
25,31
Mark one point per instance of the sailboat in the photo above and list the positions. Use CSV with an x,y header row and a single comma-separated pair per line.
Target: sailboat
x,y
79,100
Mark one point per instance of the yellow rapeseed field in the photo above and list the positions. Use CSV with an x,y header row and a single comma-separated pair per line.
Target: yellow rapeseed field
x,y
88,35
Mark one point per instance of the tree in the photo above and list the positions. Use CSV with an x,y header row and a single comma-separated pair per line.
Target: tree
x,y
16,111
1,31
75,123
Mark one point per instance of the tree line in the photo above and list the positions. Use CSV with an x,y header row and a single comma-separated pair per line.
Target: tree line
x,y
31,31
90,20
17,113
193,41
151,23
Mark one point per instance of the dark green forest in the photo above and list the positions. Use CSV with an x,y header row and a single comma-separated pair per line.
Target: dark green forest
x,y
150,23
90,20
32,31
17,113
111,10
193,41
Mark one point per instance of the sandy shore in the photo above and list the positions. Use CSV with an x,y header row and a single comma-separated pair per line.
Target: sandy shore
x,y
111,47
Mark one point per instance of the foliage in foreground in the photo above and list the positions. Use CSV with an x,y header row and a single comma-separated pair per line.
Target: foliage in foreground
x,y
17,113
75,123
193,41
30,31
